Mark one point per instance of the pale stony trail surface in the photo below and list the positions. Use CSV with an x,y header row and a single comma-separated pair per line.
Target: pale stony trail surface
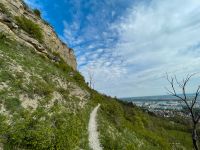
x,y
94,142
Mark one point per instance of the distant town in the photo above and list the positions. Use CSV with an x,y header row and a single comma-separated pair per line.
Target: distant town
x,y
166,106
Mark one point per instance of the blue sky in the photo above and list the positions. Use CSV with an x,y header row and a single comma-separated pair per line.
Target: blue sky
x,y
129,45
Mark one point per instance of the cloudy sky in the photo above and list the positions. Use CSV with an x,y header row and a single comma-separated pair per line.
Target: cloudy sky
x,y
129,45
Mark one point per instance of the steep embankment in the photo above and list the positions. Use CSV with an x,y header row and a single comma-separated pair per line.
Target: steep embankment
x,y
24,25
46,104
124,126
43,105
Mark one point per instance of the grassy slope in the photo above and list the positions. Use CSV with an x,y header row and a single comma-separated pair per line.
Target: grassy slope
x,y
125,127
64,124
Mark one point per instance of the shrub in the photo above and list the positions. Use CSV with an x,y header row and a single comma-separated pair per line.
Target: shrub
x,y
30,27
26,7
3,9
78,77
56,54
37,12
47,23
61,63
2,36
12,104
39,87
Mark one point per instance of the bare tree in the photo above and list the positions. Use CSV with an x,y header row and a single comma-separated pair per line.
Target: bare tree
x,y
91,77
188,101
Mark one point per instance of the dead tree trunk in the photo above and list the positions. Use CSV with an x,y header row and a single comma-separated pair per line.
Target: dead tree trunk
x,y
189,102
91,77
195,137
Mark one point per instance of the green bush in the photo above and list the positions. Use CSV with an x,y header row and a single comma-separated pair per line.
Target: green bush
x,y
37,12
39,87
30,27
26,7
12,104
75,75
2,36
61,63
3,8
47,23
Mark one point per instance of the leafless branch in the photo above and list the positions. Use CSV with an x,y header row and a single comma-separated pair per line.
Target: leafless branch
x,y
190,106
196,97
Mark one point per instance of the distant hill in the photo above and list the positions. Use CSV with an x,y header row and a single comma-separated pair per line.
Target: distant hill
x,y
153,98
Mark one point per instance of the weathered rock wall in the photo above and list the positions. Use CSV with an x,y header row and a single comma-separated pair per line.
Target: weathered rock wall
x,y
51,42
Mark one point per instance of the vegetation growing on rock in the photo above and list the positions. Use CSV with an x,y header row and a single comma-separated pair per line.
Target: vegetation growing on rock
x,y
37,12
38,107
26,29
3,8
45,104
41,108
30,27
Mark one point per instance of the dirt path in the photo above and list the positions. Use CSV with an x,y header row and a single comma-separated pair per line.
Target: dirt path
x,y
92,129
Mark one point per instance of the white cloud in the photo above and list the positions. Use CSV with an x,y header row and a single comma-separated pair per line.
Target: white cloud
x,y
154,39
70,33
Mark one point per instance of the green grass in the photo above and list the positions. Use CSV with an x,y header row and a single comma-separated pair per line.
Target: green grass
x,y
55,127
30,27
63,125
12,104
3,9
125,127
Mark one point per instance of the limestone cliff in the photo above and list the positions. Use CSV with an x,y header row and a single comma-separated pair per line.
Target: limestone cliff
x,y
51,43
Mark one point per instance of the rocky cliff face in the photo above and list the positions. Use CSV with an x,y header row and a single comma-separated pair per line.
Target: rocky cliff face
x,y
51,44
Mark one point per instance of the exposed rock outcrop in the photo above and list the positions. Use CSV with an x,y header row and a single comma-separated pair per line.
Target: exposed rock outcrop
x,y
51,42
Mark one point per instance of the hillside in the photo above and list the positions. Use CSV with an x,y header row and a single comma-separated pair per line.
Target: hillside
x,y
26,26
45,103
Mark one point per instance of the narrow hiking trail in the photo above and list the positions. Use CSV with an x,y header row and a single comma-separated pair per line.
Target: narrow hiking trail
x,y
94,142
